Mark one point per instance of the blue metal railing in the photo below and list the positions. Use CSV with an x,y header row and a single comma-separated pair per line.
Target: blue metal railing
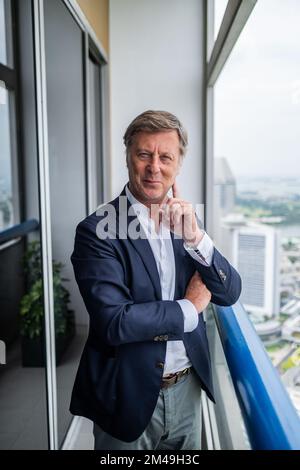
x,y
270,418
19,230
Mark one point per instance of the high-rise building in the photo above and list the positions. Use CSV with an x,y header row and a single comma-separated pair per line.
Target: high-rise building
x,y
256,256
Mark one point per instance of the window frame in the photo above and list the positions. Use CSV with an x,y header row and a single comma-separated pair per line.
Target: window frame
x,y
10,78
216,53
44,182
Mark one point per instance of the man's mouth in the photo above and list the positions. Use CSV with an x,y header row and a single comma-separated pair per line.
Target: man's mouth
x,y
152,182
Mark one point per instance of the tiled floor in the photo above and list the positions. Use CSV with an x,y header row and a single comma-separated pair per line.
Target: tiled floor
x,y
23,405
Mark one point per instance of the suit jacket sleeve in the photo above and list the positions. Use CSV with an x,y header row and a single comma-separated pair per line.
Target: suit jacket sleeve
x,y
221,279
114,316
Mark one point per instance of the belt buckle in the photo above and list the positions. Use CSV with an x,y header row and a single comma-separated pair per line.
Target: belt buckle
x,y
176,375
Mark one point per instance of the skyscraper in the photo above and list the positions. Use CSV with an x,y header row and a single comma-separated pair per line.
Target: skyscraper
x,y
256,256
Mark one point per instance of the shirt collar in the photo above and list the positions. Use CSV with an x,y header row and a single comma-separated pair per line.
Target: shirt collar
x,y
143,214
140,209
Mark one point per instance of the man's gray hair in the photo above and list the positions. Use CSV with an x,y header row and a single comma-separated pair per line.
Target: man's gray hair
x,y
156,121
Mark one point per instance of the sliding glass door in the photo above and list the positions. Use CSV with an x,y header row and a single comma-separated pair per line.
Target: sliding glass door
x,y
68,188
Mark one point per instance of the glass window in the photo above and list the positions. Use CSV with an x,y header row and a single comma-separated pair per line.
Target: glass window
x,y
8,201
5,33
67,166
23,402
257,177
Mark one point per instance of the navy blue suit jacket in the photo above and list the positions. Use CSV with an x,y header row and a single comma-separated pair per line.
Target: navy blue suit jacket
x,y
120,371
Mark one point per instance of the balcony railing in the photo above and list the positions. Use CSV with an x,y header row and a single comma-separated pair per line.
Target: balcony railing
x,y
18,231
271,421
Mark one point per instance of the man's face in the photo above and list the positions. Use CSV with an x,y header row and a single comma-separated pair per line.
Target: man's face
x,y
153,163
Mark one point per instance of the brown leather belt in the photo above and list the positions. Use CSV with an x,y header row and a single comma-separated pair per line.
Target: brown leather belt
x,y
172,379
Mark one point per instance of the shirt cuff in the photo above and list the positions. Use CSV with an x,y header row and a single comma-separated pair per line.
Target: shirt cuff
x,y
190,314
203,253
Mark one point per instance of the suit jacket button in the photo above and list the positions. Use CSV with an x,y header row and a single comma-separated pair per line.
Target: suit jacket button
x,y
166,337
160,365
156,338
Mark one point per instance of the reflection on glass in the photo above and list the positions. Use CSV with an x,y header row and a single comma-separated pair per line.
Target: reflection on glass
x,y
6,158
231,428
23,404
220,7
23,409
257,178
5,33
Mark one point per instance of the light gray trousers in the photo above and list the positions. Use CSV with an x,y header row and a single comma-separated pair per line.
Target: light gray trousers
x,y
175,423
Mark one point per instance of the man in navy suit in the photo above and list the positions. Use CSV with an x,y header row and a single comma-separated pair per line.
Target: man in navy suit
x,y
146,271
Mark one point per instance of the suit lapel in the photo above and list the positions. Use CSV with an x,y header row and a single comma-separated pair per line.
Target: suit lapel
x,y
143,247
141,244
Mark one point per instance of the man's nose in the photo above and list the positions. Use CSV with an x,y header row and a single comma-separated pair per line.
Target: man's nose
x,y
154,165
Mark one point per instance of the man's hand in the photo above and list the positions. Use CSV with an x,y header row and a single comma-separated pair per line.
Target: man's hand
x,y
198,293
180,216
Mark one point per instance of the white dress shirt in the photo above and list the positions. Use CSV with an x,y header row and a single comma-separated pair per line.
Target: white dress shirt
x,y
162,249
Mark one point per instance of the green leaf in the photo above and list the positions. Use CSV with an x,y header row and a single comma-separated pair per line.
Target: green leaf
x,y
31,305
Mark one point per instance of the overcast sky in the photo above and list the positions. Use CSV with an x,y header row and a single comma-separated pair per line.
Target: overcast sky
x,y
257,95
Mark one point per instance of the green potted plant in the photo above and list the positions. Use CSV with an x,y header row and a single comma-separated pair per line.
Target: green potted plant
x,y
32,311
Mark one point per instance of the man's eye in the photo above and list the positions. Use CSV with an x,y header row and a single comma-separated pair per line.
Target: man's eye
x,y
165,158
143,155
